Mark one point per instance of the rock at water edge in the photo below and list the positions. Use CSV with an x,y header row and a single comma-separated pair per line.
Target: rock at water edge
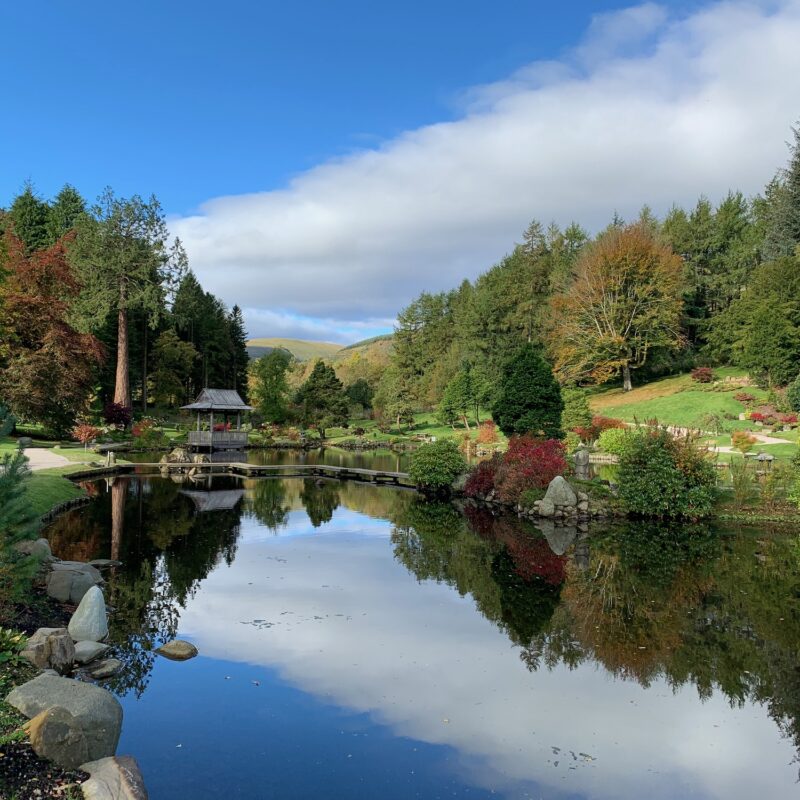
x,y
89,622
97,712
85,652
57,736
106,669
115,778
50,648
177,650
560,493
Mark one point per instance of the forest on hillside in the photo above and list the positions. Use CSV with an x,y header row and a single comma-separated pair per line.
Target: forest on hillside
x,y
713,284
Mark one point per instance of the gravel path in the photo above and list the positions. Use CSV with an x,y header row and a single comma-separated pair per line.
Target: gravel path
x,y
40,458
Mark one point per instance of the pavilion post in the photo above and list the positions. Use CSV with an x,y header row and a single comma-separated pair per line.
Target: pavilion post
x,y
238,420
198,421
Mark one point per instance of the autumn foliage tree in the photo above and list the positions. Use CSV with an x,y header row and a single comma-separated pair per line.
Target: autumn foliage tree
x,y
46,366
625,301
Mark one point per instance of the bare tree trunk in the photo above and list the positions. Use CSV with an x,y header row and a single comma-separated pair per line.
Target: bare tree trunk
x,y
466,422
626,378
122,387
144,370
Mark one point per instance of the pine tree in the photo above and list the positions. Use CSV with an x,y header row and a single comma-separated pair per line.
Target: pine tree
x,y
529,399
783,207
29,216
322,400
270,387
64,213
241,358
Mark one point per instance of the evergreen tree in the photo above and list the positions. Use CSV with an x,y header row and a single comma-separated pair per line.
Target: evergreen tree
x,y
240,357
576,413
360,392
125,262
270,387
394,398
529,398
322,400
29,216
173,362
64,213
782,234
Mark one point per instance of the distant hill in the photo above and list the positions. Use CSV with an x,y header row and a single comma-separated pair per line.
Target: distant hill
x,y
386,337
301,349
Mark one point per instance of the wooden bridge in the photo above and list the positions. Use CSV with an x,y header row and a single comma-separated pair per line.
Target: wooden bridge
x,y
274,470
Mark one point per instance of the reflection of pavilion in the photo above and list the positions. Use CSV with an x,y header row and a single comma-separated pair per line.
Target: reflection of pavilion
x,y
216,500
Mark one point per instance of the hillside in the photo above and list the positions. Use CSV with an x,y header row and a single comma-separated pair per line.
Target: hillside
x,y
301,349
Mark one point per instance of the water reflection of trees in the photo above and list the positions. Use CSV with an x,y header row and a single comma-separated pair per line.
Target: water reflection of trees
x,y
692,605
320,499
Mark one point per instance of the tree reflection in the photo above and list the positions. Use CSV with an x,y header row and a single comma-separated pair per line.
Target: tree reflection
x,y
267,503
320,499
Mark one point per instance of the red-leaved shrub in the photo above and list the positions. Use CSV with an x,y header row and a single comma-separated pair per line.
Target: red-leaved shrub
x,y
481,479
589,434
528,463
744,397
703,374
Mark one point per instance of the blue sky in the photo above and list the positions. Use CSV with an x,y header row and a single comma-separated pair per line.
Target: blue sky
x,y
256,123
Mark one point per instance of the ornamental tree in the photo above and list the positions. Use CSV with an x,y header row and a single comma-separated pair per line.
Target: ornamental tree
x,y
529,399
322,400
626,299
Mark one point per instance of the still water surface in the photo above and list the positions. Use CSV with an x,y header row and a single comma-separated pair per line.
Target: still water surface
x,y
358,643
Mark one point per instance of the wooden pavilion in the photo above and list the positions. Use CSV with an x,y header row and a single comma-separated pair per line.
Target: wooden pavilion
x,y
222,403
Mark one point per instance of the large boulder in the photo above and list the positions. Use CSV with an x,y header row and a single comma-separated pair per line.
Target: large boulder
x,y
89,622
177,650
50,648
58,736
97,712
106,669
560,493
38,548
69,581
85,652
116,778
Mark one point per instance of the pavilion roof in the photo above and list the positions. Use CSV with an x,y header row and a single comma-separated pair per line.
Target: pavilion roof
x,y
218,400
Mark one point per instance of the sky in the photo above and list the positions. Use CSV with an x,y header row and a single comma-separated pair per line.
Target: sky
x,y
324,163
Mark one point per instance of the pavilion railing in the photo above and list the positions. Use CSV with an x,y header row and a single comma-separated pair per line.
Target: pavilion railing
x,y
218,439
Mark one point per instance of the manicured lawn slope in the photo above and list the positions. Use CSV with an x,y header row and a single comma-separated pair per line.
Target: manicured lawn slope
x,y
672,401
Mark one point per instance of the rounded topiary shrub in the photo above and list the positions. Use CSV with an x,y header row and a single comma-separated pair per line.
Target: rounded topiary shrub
x,y
434,467
613,441
661,475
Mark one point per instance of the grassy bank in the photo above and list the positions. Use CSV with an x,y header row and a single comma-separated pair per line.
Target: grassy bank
x,y
47,489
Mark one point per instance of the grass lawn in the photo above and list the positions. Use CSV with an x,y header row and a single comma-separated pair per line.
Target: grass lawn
x,y
676,400
46,489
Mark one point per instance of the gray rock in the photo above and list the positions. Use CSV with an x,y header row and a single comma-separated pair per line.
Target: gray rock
x,y
59,585
86,652
547,508
116,778
38,548
97,712
58,736
560,493
581,457
50,648
24,441
89,622
69,581
177,650
583,505
106,669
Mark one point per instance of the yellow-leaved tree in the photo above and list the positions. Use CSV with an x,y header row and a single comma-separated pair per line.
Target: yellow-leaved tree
x,y
624,301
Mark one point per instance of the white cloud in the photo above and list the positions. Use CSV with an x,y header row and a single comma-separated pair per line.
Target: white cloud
x,y
648,108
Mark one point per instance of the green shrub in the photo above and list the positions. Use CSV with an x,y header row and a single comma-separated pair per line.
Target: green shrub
x,y
576,413
793,394
571,442
743,482
530,496
614,441
661,475
17,524
434,467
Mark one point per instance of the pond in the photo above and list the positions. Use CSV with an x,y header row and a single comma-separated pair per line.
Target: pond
x,y
356,642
